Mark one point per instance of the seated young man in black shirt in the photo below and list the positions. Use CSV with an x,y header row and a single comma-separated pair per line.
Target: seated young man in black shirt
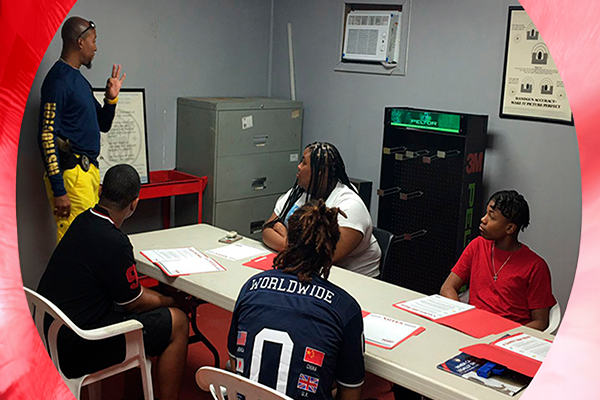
x,y
93,279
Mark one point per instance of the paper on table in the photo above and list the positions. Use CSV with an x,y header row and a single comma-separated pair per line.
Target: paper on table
x,y
182,261
434,307
388,332
236,251
525,345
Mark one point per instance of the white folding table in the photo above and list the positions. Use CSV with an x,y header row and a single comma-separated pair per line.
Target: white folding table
x,y
412,364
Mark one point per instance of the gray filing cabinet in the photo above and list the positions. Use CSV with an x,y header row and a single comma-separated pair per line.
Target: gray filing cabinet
x,y
249,149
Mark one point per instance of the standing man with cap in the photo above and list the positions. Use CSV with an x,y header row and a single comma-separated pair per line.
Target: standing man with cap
x,y
70,123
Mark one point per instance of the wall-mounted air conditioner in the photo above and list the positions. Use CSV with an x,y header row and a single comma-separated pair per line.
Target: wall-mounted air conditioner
x,y
372,36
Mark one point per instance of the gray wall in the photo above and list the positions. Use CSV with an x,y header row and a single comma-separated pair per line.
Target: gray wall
x,y
455,63
172,49
205,48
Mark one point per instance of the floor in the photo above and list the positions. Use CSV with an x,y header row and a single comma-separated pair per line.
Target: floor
x,y
214,323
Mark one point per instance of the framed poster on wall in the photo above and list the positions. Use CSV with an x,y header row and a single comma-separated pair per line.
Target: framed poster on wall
x,y
532,88
126,142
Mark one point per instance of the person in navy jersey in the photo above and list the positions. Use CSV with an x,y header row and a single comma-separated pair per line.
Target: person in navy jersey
x,y
92,278
70,123
292,329
505,276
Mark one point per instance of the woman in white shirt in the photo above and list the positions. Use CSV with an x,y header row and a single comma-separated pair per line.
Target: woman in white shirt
x,y
322,175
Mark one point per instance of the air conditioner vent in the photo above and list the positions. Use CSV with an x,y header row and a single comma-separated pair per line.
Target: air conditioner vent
x,y
372,36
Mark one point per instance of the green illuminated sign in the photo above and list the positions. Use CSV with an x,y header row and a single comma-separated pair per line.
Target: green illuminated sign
x,y
425,120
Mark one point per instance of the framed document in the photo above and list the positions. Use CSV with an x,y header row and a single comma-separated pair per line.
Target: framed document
x,y
126,142
532,89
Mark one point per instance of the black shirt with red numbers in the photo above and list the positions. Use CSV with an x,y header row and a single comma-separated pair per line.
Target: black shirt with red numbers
x,y
91,270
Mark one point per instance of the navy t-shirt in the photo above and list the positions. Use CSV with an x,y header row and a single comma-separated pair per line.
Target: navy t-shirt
x,y
70,110
297,338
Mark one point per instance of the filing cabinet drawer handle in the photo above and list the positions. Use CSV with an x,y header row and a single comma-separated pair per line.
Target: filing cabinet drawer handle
x,y
256,226
260,140
259,183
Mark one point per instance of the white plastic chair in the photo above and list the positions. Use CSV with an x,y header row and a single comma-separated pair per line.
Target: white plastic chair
x,y
220,382
554,319
135,354
464,296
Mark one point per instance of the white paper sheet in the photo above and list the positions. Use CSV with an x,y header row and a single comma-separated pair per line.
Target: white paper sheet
x,y
435,306
236,251
386,332
526,345
182,261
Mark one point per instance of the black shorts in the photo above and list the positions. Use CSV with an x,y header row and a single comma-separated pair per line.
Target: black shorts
x,y
78,357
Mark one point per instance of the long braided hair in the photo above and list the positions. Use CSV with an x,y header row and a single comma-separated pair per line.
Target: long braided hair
x,y
326,170
313,234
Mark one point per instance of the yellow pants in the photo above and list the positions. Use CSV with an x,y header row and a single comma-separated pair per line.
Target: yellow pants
x,y
82,188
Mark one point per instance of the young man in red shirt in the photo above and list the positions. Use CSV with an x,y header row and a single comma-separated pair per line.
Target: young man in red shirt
x,y
505,277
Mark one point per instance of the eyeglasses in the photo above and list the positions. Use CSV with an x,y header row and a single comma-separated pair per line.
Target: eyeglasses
x,y
91,26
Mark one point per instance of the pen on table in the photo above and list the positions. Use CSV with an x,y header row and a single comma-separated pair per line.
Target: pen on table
x,y
260,259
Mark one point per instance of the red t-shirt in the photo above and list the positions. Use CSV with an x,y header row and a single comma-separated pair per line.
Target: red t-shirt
x,y
523,284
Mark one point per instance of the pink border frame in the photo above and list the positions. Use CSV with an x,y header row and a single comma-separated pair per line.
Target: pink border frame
x,y
570,31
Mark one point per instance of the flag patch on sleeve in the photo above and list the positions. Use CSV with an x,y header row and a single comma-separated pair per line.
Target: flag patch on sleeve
x,y
308,383
241,339
239,365
314,356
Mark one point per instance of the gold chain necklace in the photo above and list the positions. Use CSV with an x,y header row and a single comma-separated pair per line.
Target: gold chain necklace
x,y
494,265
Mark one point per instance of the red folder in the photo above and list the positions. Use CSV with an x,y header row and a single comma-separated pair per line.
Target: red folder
x,y
263,263
478,323
475,322
511,360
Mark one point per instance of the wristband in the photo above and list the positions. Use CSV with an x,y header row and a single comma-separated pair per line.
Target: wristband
x,y
113,101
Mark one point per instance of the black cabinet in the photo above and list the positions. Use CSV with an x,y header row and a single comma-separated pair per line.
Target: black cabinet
x,y
431,195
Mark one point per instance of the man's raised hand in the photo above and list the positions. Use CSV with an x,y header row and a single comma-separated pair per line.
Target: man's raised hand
x,y
114,83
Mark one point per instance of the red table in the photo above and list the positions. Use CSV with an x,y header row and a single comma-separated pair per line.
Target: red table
x,y
164,184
